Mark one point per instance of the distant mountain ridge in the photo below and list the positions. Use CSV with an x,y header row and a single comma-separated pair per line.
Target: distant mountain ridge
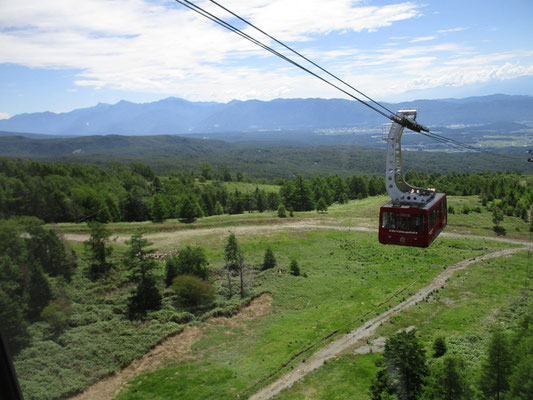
x,y
178,116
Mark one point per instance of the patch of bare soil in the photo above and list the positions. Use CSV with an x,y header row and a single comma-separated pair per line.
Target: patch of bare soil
x,y
172,350
358,336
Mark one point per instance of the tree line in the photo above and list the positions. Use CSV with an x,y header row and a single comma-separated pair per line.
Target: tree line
x,y
62,192
35,268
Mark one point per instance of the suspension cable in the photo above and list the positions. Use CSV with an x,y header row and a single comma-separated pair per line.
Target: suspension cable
x,y
302,56
228,26
402,120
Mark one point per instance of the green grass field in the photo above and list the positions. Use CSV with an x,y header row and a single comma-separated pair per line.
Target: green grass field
x,y
489,292
347,275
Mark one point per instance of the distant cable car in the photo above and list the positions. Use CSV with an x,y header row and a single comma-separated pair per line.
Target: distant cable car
x,y
414,216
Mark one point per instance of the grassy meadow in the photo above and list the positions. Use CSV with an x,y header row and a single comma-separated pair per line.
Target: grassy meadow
x,y
491,292
347,278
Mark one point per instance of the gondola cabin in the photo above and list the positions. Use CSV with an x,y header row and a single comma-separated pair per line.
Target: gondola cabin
x,y
412,226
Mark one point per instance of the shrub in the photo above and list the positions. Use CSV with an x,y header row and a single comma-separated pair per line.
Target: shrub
x,y
193,291
191,260
294,268
282,212
55,316
439,347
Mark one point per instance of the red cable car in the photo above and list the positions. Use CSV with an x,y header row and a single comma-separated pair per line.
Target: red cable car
x,y
411,226
414,216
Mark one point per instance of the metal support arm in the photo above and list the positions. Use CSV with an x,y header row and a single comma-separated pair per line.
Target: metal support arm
x,y
400,191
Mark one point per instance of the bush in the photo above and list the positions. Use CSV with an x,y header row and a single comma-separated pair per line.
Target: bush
x,y
294,268
55,316
439,347
191,260
282,212
499,230
193,291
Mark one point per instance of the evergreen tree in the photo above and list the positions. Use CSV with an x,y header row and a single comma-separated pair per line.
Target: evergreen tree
x,y
321,205
146,296
225,173
269,261
496,369
234,262
404,368
497,215
39,292
447,381
294,268
303,197
98,249
189,210
12,322
219,210
159,209
282,212
206,170
45,248
272,201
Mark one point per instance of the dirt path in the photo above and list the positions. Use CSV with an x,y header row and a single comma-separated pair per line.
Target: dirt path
x,y
362,333
254,229
172,350
182,234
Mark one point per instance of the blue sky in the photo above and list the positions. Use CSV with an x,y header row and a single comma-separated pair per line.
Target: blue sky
x,y
59,55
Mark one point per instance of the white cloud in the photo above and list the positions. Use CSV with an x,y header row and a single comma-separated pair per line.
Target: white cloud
x,y
159,46
458,29
4,115
422,39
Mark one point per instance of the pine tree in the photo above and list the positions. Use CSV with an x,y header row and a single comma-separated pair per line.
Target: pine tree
x,y
302,195
159,209
404,368
496,369
269,260
146,296
98,250
234,262
189,210
321,205
447,381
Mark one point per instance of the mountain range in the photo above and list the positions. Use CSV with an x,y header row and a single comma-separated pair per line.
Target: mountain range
x,y
178,116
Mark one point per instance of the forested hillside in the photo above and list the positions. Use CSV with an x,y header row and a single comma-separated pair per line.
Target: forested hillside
x,y
78,193
173,154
